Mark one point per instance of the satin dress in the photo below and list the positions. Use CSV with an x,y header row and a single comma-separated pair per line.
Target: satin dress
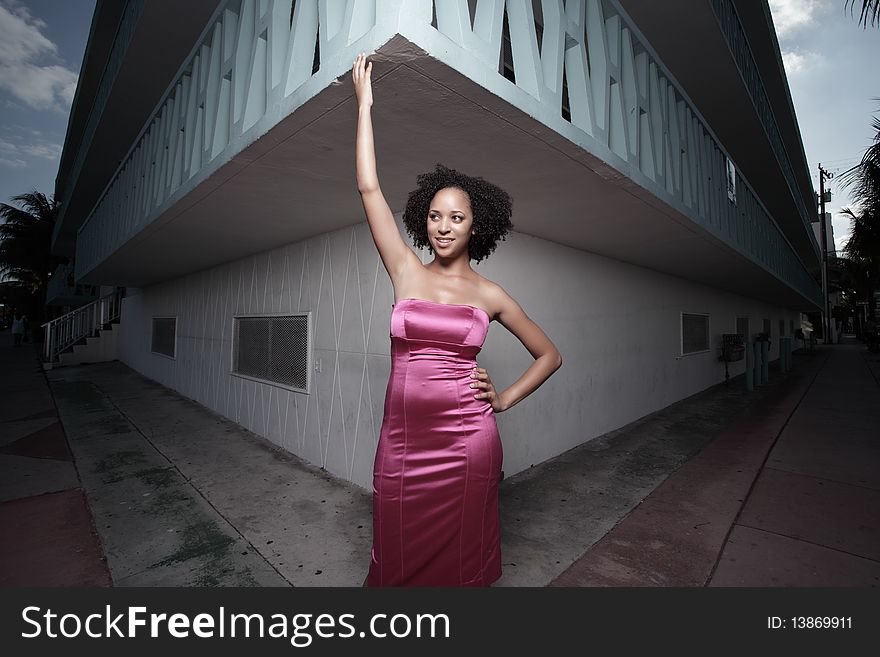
x,y
438,461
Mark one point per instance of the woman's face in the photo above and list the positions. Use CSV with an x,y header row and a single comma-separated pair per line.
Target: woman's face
x,y
450,222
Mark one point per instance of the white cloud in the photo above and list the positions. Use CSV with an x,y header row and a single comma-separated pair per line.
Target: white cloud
x,y
48,151
15,148
28,62
18,8
13,164
799,62
790,16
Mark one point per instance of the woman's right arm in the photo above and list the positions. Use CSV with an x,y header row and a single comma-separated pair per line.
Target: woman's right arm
x,y
393,251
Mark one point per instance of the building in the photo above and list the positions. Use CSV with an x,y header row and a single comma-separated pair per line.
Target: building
x,y
661,199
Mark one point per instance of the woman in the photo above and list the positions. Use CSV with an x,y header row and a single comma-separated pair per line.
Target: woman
x,y
17,329
438,462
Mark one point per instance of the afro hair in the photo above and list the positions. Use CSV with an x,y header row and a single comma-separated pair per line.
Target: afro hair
x,y
491,207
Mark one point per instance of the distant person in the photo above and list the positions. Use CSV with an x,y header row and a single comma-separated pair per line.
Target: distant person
x,y
17,329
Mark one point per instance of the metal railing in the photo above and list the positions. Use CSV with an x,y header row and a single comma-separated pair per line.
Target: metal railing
x,y
62,332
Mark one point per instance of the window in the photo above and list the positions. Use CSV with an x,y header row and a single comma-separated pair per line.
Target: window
x,y
694,333
767,327
731,181
505,65
742,327
273,349
781,327
164,338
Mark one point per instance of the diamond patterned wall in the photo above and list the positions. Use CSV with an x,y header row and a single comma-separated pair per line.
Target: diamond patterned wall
x,y
618,327
336,277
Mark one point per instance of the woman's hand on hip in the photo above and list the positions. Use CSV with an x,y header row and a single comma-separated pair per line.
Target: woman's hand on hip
x,y
484,389
360,74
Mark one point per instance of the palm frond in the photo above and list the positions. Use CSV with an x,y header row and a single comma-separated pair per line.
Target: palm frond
x,y
25,238
870,12
864,178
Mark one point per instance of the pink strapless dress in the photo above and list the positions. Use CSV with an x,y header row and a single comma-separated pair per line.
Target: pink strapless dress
x,y
438,462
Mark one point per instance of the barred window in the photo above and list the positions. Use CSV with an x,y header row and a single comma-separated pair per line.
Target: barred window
x,y
694,333
273,349
164,336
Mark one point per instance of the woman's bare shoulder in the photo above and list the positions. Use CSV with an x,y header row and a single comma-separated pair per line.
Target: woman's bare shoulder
x,y
497,298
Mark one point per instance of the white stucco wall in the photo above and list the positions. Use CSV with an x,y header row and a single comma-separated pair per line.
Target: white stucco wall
x,y
617,326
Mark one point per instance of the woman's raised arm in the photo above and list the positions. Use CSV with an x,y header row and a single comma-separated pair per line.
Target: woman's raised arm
x,y
395,253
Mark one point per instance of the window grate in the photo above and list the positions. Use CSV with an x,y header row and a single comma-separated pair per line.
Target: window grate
x,y
164,338
274,349
694,333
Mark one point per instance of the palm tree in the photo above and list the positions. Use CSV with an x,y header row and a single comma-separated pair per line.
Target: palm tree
x,y
863,250
864,178
25,239
870,10
864,241
854,280
863,246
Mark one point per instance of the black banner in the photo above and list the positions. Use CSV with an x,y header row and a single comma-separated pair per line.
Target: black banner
x,y
400,621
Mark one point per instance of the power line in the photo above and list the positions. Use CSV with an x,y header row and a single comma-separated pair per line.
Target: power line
x,y
835,169
843,163
839,159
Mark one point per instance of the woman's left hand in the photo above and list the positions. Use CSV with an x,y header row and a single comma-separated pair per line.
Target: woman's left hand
x,y
481,380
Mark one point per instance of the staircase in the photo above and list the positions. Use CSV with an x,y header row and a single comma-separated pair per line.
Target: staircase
x,y
85,335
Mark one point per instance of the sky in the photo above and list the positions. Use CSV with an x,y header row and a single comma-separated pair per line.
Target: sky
x,y
41,51
830,61
833,73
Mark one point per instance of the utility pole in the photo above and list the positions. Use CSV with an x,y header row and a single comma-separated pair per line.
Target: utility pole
x,y
826,327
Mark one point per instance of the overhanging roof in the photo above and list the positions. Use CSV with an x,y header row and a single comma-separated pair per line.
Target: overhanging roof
x,y
298,181
162,38
703,64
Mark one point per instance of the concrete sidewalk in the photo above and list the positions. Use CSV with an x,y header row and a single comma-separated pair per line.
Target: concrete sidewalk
x,y
777,487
